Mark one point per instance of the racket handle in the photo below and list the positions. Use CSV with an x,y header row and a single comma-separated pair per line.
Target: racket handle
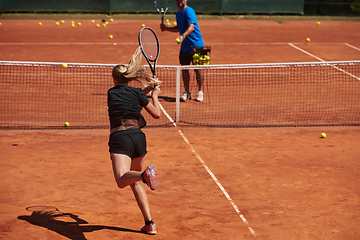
x,y
156,79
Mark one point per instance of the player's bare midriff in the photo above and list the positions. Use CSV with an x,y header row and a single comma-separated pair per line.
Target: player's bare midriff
x,y
125,125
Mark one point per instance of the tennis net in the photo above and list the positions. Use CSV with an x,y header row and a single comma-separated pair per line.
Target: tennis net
x,y
37,95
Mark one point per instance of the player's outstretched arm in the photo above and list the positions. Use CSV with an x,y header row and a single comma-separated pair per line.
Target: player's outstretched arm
x,y
154,108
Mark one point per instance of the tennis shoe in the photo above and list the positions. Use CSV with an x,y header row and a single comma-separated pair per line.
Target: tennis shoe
x,y
185,96
200,96
149,229
149,177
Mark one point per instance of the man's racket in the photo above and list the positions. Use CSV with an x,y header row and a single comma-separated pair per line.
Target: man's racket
x,y
162,6
150,47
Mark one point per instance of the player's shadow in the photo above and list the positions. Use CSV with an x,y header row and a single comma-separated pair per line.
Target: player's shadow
x,y
67,224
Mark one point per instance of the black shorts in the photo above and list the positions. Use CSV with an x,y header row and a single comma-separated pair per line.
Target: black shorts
x,y
131,142
185,58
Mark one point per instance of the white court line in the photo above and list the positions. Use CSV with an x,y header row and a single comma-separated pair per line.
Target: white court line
x,y
211,174
302,50
337,68
349,45
162,43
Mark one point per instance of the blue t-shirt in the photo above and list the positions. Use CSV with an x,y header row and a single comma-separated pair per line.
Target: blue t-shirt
x,y
183,20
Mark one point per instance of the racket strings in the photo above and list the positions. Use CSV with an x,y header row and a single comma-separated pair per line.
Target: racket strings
x,y
162,5
149,44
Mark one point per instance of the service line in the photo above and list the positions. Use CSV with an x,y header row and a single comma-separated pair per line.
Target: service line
x,y
321,60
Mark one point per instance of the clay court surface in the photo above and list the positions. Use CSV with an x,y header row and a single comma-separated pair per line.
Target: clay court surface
x,y
287,183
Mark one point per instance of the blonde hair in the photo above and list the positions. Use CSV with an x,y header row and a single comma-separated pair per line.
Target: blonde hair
x,y
134,71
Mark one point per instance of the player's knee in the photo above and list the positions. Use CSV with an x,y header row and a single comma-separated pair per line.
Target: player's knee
x,y
120,184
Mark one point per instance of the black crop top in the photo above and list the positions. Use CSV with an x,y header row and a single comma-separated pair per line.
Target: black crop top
x,y
126,102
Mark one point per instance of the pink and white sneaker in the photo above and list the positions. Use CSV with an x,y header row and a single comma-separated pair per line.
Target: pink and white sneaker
x,y
149,177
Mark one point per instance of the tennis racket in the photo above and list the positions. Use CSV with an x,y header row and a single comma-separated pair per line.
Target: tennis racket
x,y
150,47
162,6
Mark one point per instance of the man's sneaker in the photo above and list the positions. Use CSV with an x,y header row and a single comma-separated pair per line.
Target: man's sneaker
x,y
186,96
149,229
149,177
200,96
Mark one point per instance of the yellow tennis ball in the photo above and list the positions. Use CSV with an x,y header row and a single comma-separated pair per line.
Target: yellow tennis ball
x,y
0,23
107,23
168,23
92,21
64,65
167,20
57,23
97,25
62,21
323,135
66,124
143,25
79,23
40,23
111,19
177,40
104,25
111,36
175,23
308,39
318,23
196,56
72,25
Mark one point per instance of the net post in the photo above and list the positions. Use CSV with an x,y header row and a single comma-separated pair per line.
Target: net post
x,y
177,109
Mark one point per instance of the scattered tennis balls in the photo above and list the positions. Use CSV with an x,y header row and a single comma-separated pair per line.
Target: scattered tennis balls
x,y
57,23
308,39
143,25
40,23
62,21
92,21
323,135
177,40
111,36
64,65
66,124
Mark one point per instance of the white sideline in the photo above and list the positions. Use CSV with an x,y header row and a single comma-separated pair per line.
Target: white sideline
x,y
211,174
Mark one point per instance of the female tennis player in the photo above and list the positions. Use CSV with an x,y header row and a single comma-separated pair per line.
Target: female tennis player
x,y
127,143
